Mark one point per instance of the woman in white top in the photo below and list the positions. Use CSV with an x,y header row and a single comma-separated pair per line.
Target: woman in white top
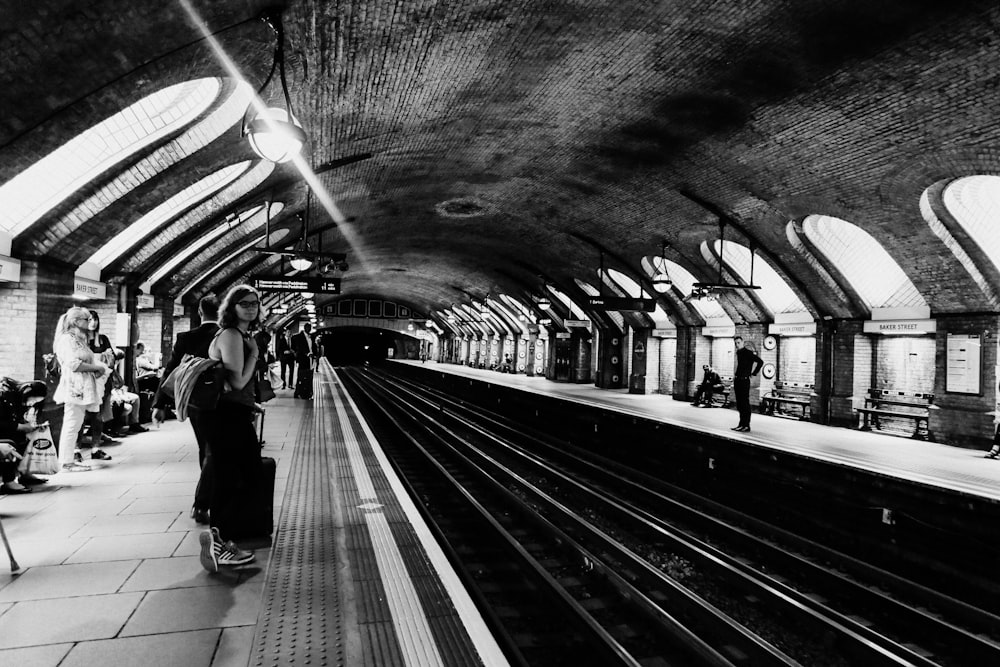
x,y
81,381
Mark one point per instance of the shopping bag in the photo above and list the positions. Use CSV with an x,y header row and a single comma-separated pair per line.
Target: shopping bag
x,y
41,457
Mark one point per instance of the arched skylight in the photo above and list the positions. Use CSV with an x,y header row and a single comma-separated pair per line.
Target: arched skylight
x,y
574,310
872,272
613,315
974,201
683,283
218,265
630,287
160,215
27,196
519,308
255,214
774,292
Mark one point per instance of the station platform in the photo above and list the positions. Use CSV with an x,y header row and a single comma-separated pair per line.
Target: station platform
x,y
934,464
109,569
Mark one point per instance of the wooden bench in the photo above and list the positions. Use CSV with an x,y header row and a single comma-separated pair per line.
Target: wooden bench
x,y
896,413
788,399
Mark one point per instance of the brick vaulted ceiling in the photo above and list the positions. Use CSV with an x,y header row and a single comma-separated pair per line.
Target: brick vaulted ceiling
x,y
514,140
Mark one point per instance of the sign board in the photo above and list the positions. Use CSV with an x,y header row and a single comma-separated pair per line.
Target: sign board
x,y
317,285
145,301
664,333
84,288
620,303
964,360
563,334
719,331
580,324
792,329
10,269
911,327
178,309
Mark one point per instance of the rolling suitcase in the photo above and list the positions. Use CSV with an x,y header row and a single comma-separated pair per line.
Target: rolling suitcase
x,y
255,518
304,383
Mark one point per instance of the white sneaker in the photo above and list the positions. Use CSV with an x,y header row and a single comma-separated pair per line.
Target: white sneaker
x,y
227,553
207,555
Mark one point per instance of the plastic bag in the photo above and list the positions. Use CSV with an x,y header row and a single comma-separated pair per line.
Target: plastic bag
x,y
41,457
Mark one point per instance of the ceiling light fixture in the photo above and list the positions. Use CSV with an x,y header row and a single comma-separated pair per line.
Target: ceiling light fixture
x,y
661,281
275,134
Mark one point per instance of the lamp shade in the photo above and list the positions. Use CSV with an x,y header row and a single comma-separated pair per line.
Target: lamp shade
x,y
300,263
544,304
661,282
275,135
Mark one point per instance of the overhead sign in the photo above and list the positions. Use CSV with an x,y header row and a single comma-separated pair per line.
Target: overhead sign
x,y
664,333
580,324
792,329
912,327
10,269
621,303
84,288
719,331
317,285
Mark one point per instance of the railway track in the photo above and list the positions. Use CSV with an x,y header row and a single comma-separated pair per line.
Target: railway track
x,y
660,576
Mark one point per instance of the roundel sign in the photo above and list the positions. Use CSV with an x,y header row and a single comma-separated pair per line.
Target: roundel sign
x,y
614,360
538,355
538,369
614,378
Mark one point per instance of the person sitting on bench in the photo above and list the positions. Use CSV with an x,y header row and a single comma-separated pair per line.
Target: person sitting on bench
x,y
709,384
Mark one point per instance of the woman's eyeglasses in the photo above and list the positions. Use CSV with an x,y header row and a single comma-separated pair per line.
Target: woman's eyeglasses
x,y
248,304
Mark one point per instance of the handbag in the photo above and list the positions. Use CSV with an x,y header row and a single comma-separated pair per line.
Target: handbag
x,y
41,457
205,389
265,392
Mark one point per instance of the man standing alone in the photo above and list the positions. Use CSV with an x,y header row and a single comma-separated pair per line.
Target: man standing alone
x,y
747,364
302,346
194,342
283,350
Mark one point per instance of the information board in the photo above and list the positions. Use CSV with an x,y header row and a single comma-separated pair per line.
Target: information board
x,y
964,364
620,303
318,285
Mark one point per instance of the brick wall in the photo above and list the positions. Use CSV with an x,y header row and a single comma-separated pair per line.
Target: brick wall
x,y
796,359
966,420
19,306
667,365
905,363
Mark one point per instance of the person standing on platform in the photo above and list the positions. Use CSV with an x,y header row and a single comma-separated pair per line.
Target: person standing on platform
x,y
286,357
80,389
747,364
302,346
994,452
194,342
711,382
237,469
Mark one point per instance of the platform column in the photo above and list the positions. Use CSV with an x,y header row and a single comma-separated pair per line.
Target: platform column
x,y
609,360
640,348
687,362
844,375
580,345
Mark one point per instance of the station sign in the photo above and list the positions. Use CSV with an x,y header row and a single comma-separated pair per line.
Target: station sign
x,y
84,288
318,285
792,329
178,309
621,303
719,331
562,334
664,333
911,327
578,324
10,269
145,301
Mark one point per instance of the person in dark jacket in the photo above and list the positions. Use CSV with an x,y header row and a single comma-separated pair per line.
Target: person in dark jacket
x,y
710,383
286,357
303,347
194,342
747,364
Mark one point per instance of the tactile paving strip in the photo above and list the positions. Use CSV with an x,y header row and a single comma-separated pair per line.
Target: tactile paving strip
x,y
300,621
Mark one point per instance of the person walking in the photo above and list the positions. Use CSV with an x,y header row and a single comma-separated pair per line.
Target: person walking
x,y
748,364
237,470
194,342
286,357
710,383
78,388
